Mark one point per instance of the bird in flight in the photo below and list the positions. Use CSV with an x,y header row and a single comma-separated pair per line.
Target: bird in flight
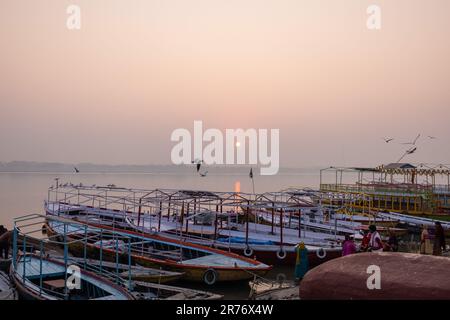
x,y
414,142
387,140
431,137
198,164
409,151
76,170
203,174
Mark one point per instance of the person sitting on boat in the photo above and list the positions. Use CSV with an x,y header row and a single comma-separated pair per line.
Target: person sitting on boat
x,y
439,239
348,246
365,241
375,243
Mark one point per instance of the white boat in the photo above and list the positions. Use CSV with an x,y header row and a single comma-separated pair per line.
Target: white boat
x,y
412,220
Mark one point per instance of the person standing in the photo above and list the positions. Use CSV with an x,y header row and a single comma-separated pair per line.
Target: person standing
x,y
439,239
302,261
375,243
425,242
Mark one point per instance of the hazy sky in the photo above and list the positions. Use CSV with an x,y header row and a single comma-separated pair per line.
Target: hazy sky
x,y
114,91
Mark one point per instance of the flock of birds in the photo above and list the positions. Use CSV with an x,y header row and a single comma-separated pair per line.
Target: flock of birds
x,y
413,145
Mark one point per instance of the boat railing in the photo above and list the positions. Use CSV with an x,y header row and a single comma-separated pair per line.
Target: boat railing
x,y
23,259
27,244
382,189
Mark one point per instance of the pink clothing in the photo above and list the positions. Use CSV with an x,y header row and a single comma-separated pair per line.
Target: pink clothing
x,y
348,247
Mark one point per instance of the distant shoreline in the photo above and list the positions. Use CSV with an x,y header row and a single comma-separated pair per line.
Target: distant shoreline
x,y
89,168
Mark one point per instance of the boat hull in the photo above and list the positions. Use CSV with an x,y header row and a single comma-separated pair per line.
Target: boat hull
x,y
26,293
270,257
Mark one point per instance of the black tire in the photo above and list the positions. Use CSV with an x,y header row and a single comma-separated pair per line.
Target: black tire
x,y
321,256
210,277
248,252
281,254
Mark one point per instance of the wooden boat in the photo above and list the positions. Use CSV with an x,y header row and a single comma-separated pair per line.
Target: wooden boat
x,y
138,273
42,278
261,287
288,291
262,244
402,276
152,291
198,263
7,291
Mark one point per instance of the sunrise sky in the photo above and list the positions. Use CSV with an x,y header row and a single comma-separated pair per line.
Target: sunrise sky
x,y
114,91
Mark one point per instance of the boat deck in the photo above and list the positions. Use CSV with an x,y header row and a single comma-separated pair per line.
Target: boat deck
x,y
33,270
220,261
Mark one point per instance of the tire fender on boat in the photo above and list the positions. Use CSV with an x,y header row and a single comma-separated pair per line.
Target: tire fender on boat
x,y
281,278
248,252
319,255
210,276
281,254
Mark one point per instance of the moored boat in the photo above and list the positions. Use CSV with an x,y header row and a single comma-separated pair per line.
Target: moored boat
x,y
198,263
152,291
134,272
271,245
41,278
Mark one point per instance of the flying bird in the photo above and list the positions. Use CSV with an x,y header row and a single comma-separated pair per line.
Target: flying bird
x,y
76,170
250,175
409,151
414,142
198,163
203,174
387,140
431,137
